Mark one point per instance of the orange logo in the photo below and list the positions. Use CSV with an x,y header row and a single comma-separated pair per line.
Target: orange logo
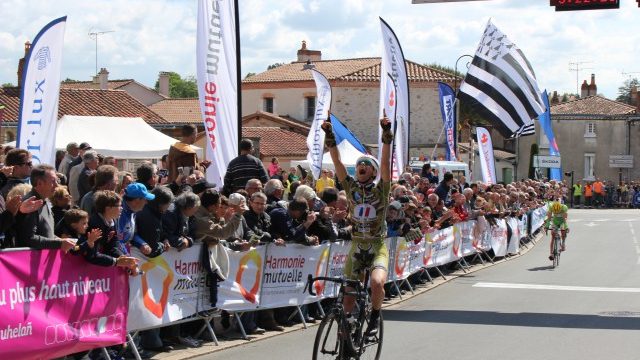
x,y
484,138
324,257
392,98
427,249
156,307
401,252
457,239
257,260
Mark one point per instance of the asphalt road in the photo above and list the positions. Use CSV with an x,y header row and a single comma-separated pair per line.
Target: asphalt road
x,y
588,308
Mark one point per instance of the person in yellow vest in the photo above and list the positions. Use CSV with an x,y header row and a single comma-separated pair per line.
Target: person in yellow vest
x,y
324,182
577,194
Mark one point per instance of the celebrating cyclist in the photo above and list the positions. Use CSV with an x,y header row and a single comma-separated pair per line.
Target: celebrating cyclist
x,y
369,201
557,218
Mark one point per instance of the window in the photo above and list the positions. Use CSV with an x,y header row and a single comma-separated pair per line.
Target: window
x,y
589,163
267,104
590,130
310,107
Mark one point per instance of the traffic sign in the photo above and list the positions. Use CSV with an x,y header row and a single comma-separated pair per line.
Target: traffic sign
x,y
621,161
544,161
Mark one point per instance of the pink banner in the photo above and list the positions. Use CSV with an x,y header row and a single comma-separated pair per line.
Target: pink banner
x,y
53,304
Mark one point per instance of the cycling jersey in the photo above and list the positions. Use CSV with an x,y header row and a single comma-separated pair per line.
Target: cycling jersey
x,y
556,218
369,203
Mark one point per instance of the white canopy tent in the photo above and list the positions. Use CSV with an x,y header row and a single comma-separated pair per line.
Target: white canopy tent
x,y
120,137
348,156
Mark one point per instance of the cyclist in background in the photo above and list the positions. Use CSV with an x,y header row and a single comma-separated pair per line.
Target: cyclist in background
x,y
557,217
369,201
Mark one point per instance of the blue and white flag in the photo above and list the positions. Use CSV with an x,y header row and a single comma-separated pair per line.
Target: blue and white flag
x,y
545,124
343,134
448,110
396,90
40,94
315,139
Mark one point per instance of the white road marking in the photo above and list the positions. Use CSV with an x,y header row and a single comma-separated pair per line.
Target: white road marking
x,y
554,287
591,224
601,220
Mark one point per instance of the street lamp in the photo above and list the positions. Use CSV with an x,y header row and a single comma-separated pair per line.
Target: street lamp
x,y
457,110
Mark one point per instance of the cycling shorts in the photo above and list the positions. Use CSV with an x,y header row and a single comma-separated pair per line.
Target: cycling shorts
x,y
559,224
366,255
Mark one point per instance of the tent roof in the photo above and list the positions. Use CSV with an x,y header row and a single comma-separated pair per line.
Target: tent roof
x,y
121,137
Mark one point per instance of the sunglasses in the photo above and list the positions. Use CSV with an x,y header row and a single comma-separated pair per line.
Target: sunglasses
x,y
365,163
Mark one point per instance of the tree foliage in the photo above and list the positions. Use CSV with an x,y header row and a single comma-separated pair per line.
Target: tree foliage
x,y
249,74
181,87
273,66
624,91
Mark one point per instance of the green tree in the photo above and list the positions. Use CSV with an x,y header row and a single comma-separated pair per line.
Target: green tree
x,y
181,87
7,85
624,91
249,74
273,66
534,152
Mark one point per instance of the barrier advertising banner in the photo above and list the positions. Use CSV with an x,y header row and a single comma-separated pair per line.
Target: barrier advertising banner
x,y
54,304
499,237
241,290
439,248
537,218
514,241
172,288
339,253
407,258
522,226
468,240
285,274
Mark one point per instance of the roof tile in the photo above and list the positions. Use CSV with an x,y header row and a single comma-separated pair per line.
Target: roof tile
x,y
592,105
85,102
278,142
179,111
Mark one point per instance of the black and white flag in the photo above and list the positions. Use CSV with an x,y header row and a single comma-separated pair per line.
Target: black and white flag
x,y
502,85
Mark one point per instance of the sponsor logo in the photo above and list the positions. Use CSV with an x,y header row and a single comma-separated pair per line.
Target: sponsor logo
x,y
402,257
322,262
457,240
156,307
254,257
43,57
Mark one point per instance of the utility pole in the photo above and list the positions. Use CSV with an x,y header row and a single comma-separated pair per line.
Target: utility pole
x,y
94,36
577,66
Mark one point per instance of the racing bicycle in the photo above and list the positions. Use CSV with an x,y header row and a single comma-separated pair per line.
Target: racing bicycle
x,y
557,245
342,337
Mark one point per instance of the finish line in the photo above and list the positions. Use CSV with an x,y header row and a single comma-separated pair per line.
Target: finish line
x,y
554,287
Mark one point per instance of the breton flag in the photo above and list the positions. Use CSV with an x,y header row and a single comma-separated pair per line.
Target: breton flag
x,y
502,85
40,94
218,93
315,139
394,93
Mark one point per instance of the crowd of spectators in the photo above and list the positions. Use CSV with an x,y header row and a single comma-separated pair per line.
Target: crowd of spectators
x,y
605,194
87,207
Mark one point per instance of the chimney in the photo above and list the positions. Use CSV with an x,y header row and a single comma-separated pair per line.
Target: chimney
x,y
103,79
593,89
584,90
27,46
305,54
163,84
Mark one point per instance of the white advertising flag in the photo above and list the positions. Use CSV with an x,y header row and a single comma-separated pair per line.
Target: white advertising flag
x,y
487,163
393,64
315,139
218,83
40,93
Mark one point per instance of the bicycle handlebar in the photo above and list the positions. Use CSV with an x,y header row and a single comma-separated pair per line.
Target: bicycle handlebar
x,y
310,280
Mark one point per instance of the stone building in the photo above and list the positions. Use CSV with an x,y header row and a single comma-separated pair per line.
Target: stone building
x,y
588,131
289,91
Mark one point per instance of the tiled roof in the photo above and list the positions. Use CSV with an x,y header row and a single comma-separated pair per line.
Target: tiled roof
x,y
278,142
86,102
179,111
286,122
111,84
593,105
362,69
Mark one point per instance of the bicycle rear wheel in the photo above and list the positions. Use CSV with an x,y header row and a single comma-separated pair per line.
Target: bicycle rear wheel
x,y
328,344
371,348
556,251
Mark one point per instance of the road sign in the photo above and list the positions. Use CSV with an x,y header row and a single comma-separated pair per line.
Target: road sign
x,y
543,161
621,161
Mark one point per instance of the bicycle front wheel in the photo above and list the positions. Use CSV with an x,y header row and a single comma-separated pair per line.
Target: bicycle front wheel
x,y
556,251
328,343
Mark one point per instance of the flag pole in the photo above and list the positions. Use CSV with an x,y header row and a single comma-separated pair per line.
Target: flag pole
x,y
238,74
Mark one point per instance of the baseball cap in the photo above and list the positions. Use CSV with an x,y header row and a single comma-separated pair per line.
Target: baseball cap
x,y
238,199
137,191
85,146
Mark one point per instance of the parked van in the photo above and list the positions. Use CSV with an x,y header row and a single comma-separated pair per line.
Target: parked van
x,y
441,167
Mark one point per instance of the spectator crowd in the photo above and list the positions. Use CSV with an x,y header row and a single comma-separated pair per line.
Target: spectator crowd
x,y
87,207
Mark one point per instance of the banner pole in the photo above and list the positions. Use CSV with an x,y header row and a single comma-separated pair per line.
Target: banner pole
x,y
238,72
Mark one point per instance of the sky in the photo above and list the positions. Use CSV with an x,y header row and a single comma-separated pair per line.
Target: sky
x,y
159,35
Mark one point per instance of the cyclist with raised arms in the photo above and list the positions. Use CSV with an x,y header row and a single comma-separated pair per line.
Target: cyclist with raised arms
x,y
557,217
369,201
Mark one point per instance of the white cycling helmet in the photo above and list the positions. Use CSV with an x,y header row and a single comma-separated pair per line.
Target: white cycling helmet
x,y
370,160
